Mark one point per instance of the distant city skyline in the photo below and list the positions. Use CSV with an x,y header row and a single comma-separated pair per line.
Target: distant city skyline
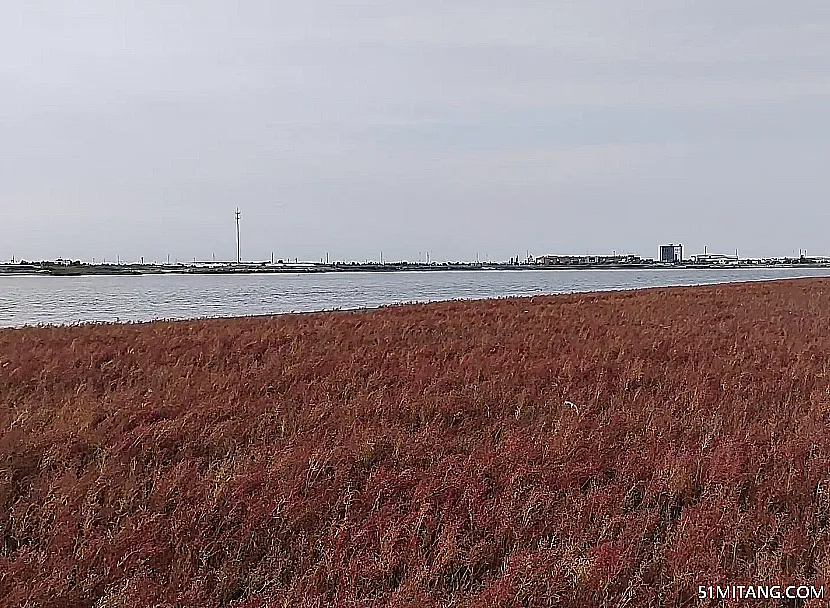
x,y
680,253
469,128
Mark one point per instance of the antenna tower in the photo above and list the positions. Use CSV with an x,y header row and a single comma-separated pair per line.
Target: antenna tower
x,y
238,251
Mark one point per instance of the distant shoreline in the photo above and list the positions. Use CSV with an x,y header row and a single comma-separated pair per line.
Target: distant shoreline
x,y
150,269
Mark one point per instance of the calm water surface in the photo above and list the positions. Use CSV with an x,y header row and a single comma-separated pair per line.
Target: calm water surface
x,y
29,300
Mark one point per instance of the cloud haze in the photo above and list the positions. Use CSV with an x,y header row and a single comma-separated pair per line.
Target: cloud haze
x,y
462,128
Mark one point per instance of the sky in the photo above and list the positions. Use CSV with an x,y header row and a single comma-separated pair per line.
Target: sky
x,y
463,128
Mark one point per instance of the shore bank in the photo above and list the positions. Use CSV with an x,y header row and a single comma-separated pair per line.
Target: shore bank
x,y
567,450
313,268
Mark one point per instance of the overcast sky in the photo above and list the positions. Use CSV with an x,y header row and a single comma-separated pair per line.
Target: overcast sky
x,y
459,127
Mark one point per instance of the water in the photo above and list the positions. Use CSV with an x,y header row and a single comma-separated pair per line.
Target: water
x,y
30,300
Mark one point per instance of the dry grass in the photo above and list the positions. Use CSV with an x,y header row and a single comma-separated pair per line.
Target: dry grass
x,y
610,449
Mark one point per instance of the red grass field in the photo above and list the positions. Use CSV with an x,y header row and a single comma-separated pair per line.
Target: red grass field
x,y
584,450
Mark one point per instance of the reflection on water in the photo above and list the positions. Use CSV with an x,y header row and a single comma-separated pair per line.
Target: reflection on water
x,y
29,300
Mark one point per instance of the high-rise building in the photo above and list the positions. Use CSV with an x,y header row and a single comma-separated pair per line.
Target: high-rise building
x,y
671,253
